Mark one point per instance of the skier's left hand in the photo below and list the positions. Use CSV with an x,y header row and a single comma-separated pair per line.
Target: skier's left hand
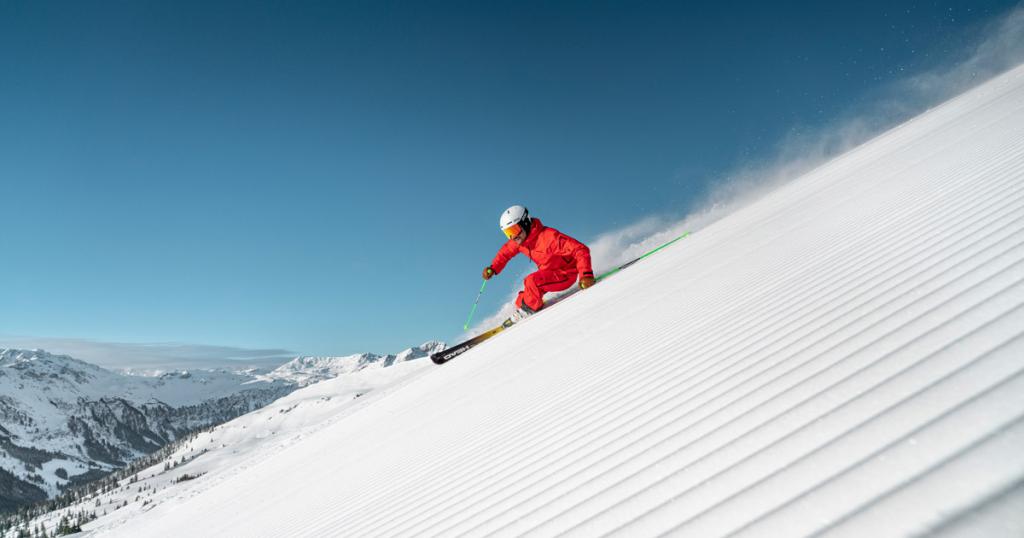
x,y
586,282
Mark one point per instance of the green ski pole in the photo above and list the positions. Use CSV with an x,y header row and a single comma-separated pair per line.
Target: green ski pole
x,y
466,326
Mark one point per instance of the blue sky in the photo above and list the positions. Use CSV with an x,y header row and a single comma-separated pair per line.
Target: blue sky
x,y
326,178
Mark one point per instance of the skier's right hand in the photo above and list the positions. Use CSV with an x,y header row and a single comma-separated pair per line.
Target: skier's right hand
x,y
488,272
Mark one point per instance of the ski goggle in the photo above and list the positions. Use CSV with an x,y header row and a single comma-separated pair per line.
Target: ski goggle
x,y
512,231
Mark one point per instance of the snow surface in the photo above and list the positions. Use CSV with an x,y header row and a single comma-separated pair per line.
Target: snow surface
x,y
844,356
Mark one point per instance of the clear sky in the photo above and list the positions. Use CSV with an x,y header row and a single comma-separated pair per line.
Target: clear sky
x,y
326,177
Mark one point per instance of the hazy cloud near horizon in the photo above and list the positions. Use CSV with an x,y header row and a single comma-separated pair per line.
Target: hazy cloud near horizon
x,y
155,356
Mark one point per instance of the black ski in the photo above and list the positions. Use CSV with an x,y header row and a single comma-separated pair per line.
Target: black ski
x,y
442,357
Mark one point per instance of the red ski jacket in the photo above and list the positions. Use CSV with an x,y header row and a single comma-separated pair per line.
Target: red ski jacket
x,y
549,248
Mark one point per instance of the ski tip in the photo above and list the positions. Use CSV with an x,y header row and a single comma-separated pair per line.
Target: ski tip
x,y
442,357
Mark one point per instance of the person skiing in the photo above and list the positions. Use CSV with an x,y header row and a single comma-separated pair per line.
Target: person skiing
x,y
560,259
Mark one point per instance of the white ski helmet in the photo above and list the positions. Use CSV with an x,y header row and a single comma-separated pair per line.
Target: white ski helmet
x,y
516,214
513,215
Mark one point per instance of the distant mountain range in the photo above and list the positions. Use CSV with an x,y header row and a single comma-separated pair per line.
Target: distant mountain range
x,y
65,422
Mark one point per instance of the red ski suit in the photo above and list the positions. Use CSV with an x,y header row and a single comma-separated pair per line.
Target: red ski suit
x,y
560,259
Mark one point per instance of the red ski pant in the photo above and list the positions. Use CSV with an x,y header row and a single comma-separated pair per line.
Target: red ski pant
x,y
537,284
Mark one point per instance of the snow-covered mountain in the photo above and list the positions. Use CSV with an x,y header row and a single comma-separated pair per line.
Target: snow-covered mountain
x,y
306,370
64,421
843,357
225,450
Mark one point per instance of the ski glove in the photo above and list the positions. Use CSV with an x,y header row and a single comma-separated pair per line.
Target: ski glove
x,y
586,281
488,273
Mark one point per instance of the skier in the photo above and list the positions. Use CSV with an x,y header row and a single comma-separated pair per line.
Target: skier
x,y
560,259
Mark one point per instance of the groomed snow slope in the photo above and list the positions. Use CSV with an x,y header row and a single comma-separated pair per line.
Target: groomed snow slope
x,y
845,356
